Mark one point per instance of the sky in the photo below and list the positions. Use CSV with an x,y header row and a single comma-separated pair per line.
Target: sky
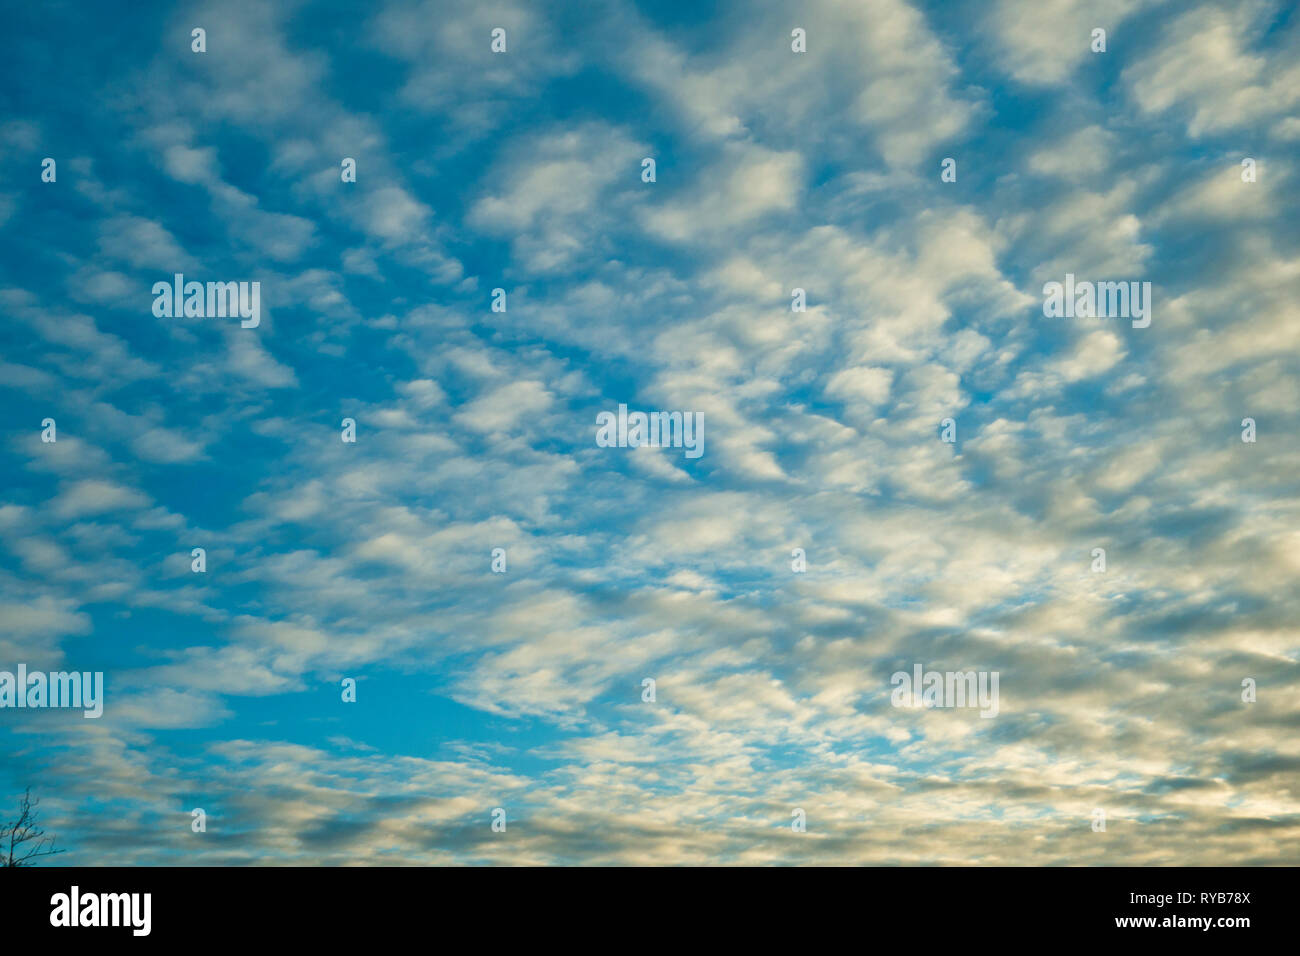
x,y
772,736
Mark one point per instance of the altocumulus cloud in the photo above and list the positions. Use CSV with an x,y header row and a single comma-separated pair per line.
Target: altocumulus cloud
x,y
644,657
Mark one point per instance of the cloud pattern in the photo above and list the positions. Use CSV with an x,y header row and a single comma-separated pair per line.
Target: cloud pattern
x,y
775,170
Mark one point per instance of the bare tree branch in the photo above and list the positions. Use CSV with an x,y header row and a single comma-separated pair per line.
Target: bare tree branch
x,y
25,839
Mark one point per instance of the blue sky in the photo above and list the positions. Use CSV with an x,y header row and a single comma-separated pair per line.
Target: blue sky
x,y
476,430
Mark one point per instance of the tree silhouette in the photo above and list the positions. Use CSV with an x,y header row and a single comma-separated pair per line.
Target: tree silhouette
x,y
23,840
